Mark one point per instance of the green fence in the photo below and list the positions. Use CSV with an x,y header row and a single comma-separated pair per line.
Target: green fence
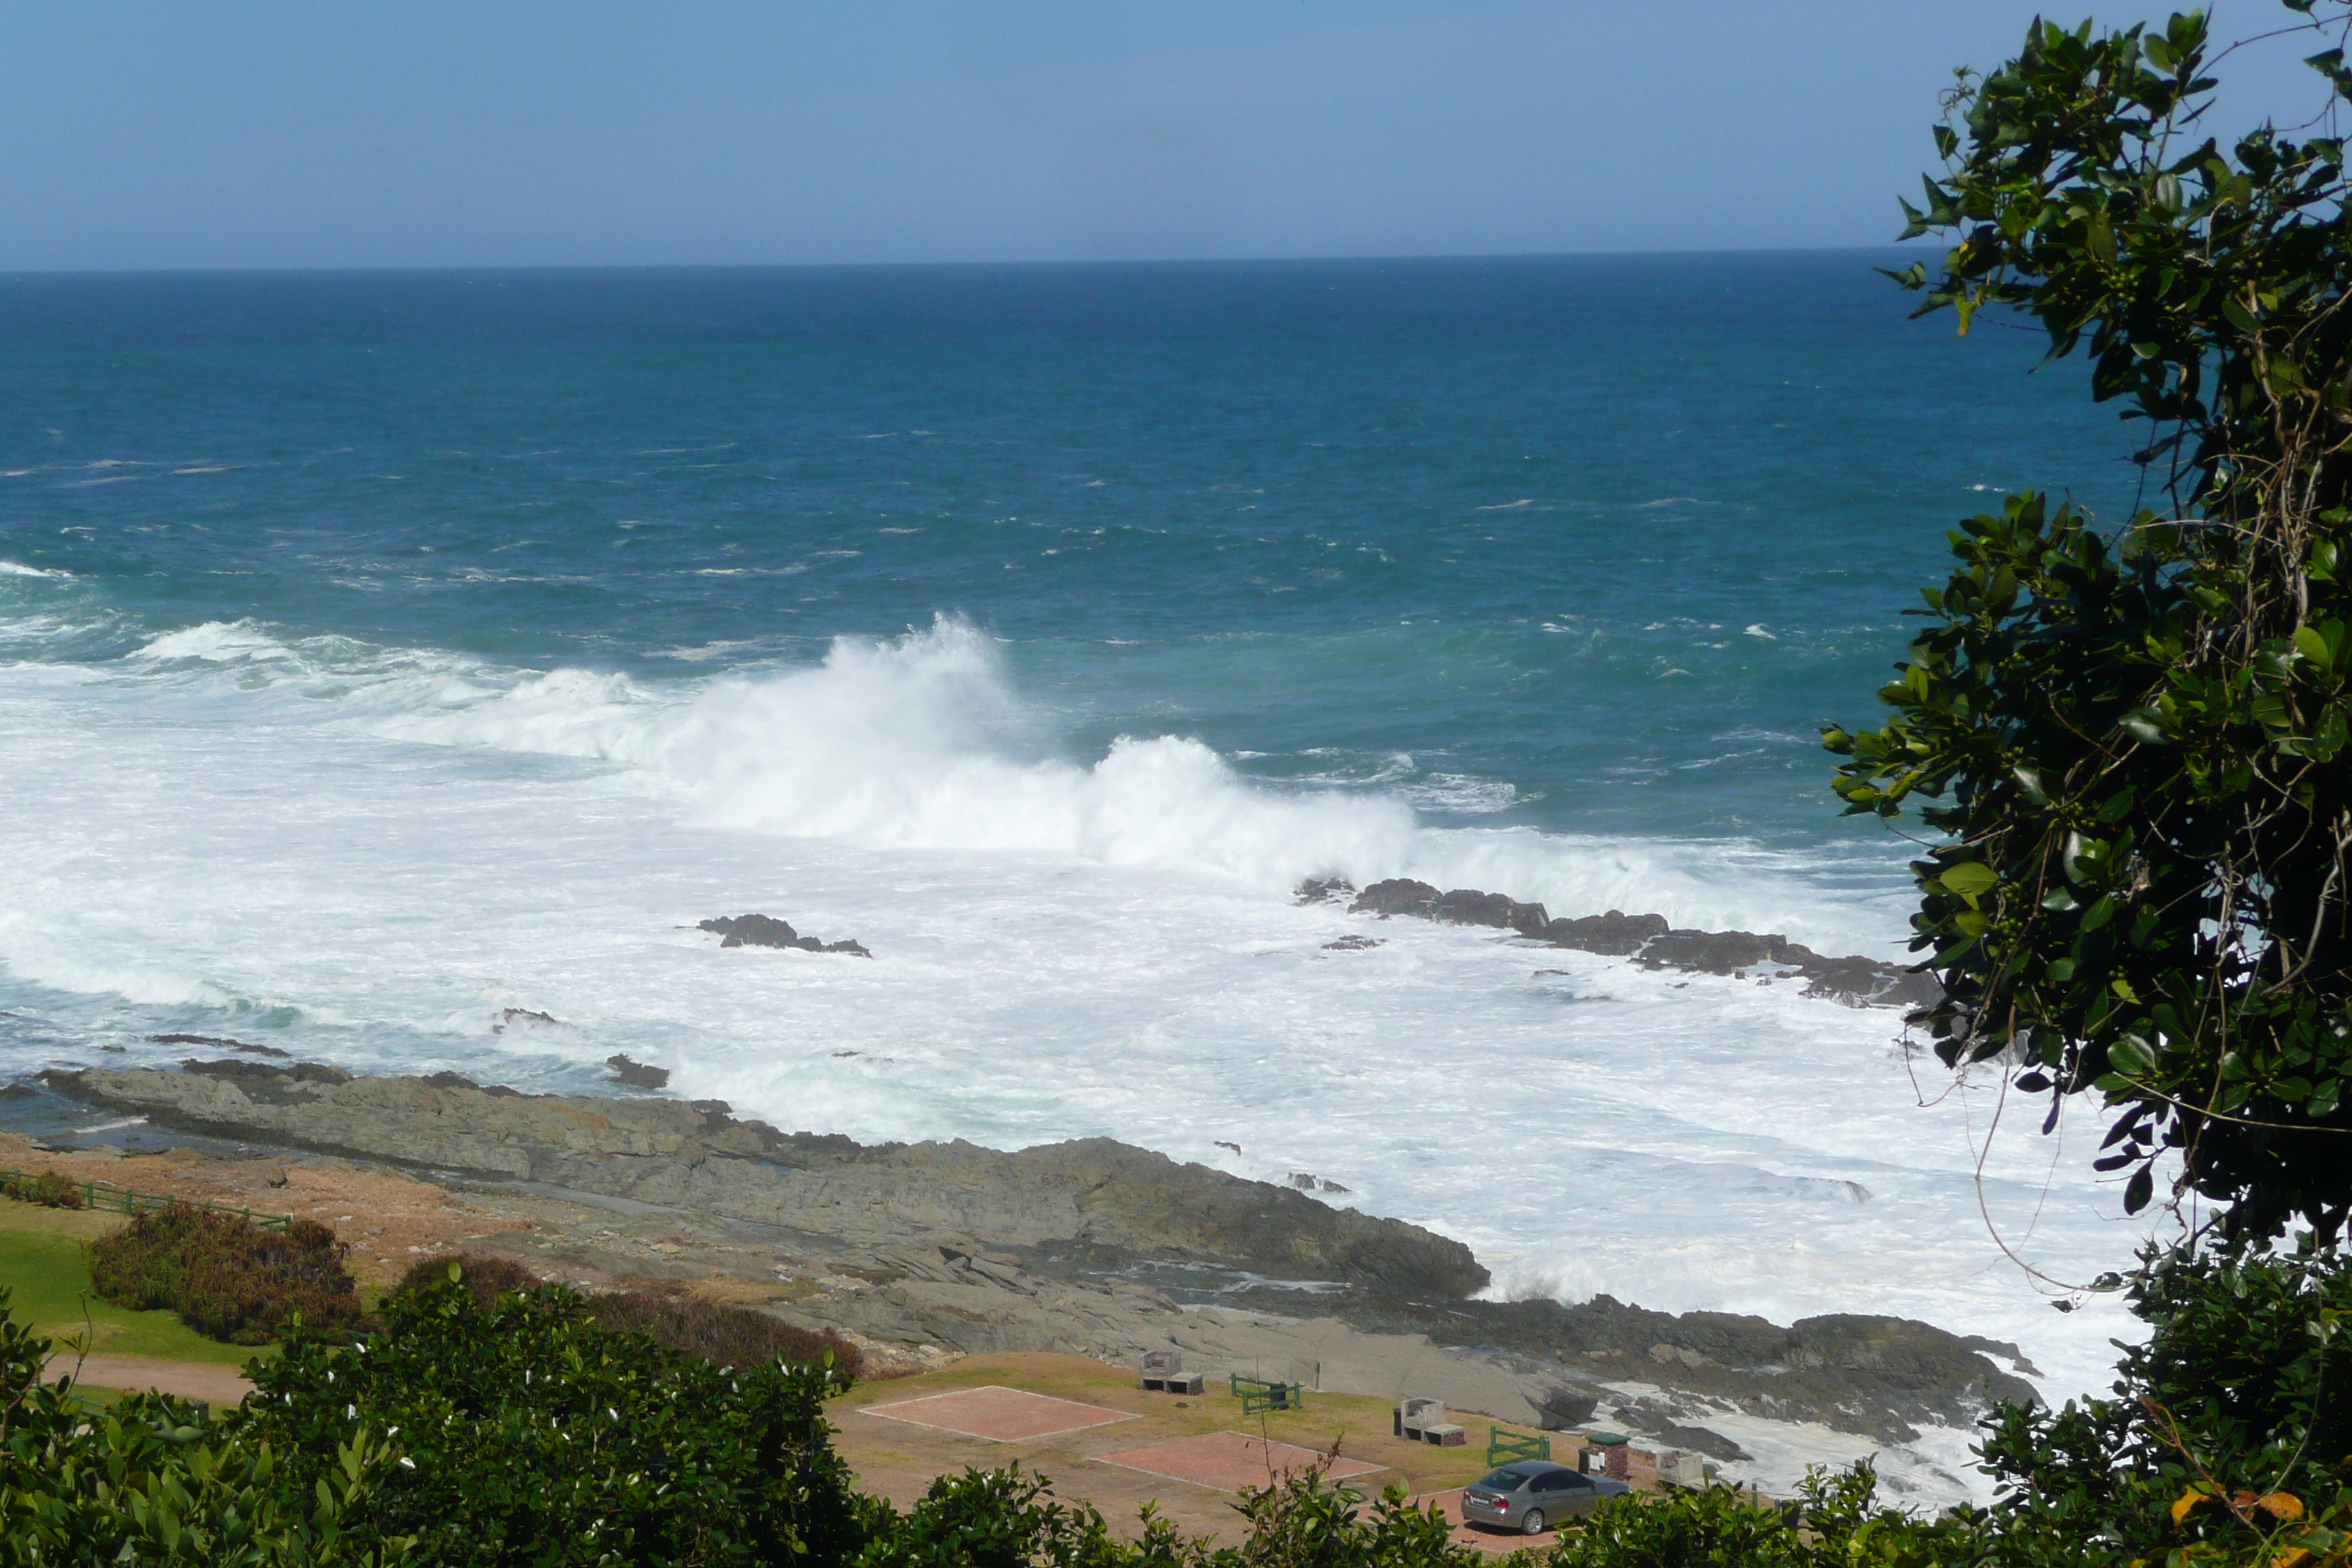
x,y
106,1195
1257,1395
1505,1446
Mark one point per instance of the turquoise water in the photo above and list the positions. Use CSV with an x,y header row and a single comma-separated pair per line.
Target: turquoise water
x,y
381,653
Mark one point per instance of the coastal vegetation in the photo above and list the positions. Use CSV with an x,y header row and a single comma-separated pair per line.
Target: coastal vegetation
x,y
708,1331
227,1277
2131,742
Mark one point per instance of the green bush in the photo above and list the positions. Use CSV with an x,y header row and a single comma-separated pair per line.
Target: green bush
x,y
50,1189
227,1278
486,1277
149,1484
723,1336
529,1434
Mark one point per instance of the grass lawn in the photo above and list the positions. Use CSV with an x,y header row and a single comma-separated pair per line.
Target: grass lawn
x,y
41,1264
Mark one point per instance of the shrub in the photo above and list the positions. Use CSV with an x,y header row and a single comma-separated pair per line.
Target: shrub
x,y
1306,1523
1007,1519
227,1278
530,1435
723,1336
484,1276
152,1484
50,1189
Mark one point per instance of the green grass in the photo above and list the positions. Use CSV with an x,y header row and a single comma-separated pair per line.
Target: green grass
x,y
41,1265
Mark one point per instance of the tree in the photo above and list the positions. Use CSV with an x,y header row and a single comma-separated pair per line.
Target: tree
x,y
2133,738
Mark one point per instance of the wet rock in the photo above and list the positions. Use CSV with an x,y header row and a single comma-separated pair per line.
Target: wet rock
x,y
17,1091
1656,1422
522,1018
1469,907
636,1074
1351,945
1882,1377
1649,940
1613,935
763,931
1308,1182
1397,896
1323,889
1716,951
262,1074
218,1043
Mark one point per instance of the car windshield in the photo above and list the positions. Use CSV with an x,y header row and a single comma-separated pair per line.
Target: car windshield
x,y
1503,1481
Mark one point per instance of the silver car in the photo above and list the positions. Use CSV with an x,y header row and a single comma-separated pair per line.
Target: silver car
x,y
1533,1495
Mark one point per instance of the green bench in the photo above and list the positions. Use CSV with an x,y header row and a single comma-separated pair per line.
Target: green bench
x,y
1502,1446
1257,1395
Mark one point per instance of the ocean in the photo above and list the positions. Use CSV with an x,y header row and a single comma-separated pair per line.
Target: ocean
x,y
381,653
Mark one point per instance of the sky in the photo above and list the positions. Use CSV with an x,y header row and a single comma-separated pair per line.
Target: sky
x,y
246,133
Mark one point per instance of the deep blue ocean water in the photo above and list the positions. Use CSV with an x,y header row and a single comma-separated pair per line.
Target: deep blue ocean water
x,y
387,660
1616,532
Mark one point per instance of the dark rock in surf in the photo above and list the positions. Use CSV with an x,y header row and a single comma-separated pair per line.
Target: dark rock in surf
x,y
765,930
1657,1422
1351,945
1720,951
523,1018
219,1043
1469,907
1324,890
1613,935
1652,943
637,1075
1397,896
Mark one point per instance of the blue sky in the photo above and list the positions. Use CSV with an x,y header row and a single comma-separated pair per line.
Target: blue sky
x,y
321,132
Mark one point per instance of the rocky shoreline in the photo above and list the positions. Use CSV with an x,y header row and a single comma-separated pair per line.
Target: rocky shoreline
x,y
1650,940
1090,1246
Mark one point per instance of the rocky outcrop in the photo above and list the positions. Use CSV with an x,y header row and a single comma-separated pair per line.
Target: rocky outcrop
x,y
762,931
1883,1377
1090,1247
219,1043
1092,1197
636,1074
1657,1421
1648,939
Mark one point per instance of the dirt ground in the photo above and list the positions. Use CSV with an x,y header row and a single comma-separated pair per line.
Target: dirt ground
x,y
898,1459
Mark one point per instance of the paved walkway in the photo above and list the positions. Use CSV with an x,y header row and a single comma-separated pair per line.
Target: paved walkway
x,y
188,1379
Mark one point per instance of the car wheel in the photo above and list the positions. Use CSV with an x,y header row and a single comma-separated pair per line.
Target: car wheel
x,y
1533,1523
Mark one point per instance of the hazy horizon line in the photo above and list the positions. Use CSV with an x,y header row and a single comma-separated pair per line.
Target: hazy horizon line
x,y
1035,264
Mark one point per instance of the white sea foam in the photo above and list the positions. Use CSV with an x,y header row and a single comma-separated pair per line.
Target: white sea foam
x,y
918,742
18,569
375,851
